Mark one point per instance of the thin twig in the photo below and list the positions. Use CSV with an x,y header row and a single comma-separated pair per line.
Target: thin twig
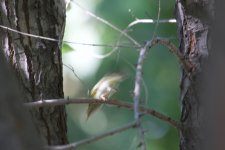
x,y
27,34
81,81
114,46
157,21
93,139
122,33
137,89
64,41
101,45
108,23
143,21
137,21
129,106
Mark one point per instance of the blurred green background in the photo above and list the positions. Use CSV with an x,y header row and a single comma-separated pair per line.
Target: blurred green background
x,y
161,72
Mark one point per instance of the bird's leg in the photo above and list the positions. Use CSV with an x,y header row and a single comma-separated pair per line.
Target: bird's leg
x,y
103,97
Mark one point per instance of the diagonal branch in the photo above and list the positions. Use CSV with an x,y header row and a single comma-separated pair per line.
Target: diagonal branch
x,y
107,23
129,106
93,139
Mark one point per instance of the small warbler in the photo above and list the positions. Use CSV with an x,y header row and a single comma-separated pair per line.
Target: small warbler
x,y
105,88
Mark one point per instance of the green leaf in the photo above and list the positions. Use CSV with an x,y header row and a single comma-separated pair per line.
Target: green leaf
x,y
67,48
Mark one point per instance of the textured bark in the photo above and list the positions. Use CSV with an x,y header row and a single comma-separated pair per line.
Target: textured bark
x,y
194,22
15,124
37,62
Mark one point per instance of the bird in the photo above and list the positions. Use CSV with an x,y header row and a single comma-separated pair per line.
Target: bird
x,y
104,89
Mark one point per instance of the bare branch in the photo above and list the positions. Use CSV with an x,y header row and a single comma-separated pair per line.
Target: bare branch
x,y
70,42
27,34
137,89
129,106
143,21
186,63
101,45
94,138
138,79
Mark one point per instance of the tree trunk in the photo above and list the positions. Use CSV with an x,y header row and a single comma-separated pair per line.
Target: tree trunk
x,y
15,123
194,19
37,62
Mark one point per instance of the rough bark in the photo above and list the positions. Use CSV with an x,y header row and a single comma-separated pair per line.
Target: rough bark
x,y
37,62
194,22
15,124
